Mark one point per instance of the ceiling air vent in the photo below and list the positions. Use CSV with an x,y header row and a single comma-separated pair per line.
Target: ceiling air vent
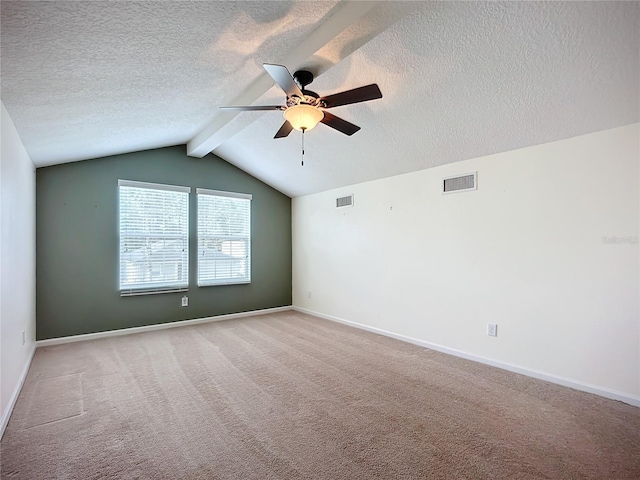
x,y
460,183
344,201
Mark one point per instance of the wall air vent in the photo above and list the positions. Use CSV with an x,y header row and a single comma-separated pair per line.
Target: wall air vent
x,y
344,201
460,183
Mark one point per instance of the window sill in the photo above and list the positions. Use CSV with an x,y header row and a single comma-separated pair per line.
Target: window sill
x,y
136,293
226,282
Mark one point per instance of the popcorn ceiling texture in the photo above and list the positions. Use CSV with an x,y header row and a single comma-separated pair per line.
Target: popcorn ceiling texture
x,y
84,79
460,80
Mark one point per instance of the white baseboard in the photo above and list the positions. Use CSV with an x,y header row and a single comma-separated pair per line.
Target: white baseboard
x,y
160,326
14,397
565,382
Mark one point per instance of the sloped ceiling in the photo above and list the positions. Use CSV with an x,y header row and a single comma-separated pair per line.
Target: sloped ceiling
x,y
460,80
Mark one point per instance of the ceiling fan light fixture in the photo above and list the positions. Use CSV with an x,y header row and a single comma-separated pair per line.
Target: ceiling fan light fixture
x,y
303,117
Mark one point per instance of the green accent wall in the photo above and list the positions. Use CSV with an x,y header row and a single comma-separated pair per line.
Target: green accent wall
x,y
77,257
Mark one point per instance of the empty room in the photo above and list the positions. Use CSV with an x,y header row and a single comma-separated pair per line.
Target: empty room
x,y
320,240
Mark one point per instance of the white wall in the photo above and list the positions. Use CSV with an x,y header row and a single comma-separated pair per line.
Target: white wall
x,y
18,272
528,250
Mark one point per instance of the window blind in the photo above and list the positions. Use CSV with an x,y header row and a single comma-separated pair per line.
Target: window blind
x,y
154,237
224,237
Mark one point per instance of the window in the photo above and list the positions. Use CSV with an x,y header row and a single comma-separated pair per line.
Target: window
x,y
154,238
224,237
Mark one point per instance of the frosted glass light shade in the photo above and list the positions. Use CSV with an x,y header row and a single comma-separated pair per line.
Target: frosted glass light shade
x,y
303,117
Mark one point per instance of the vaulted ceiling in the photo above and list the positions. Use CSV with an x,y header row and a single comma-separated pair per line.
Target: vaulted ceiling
x,y
84,79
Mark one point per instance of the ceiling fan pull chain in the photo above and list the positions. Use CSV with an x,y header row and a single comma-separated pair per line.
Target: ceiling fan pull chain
x,y
302,162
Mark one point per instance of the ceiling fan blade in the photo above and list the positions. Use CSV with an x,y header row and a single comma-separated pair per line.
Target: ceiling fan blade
x,y
254,107
285,130
339,124
283,78
357,95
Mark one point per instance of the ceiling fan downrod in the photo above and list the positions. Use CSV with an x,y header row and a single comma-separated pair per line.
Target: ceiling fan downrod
x,y
303,78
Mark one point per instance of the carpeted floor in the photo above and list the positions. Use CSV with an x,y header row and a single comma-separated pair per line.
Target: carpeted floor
x,y
290,396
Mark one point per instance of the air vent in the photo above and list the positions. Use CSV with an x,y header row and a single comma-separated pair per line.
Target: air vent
x,y
460,183
344,201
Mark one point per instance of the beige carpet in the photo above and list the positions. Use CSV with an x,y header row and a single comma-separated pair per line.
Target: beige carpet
x,y
290,396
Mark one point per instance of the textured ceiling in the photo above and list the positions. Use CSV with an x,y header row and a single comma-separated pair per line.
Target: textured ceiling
x,y
460,80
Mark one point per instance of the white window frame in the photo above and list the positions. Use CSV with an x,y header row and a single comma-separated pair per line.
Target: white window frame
x,y
244,260
179,234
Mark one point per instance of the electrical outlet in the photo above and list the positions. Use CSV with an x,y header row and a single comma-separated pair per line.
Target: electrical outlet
x,y
309,294
492,329
24,338
185,301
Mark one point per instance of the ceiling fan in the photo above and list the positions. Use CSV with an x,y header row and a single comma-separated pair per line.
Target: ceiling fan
x,y
303,109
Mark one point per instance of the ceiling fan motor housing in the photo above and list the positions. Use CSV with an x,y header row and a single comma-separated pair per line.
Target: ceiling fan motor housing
x,y
308,98
302,79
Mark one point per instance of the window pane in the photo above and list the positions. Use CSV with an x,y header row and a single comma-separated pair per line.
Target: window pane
x,y
154,239
224,239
